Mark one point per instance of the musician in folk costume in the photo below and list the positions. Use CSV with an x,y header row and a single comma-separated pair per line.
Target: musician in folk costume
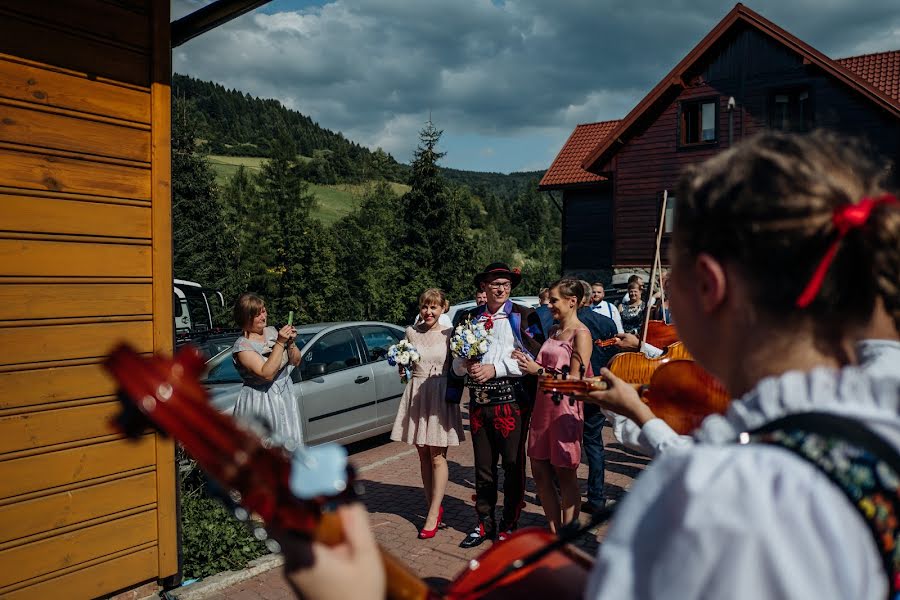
x,y
500,401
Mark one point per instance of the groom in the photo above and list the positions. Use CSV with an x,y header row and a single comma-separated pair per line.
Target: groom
x,y
500,401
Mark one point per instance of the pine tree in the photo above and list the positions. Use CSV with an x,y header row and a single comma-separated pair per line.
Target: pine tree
x,y
437,234
198,238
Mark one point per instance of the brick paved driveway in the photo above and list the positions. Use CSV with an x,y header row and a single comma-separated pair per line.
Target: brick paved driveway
x,y
396,503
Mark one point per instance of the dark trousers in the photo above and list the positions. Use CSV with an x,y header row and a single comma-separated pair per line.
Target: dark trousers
x,y
499,431
593,448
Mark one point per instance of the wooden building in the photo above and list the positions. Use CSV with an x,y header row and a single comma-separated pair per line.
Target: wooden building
x,y
746,75
85,262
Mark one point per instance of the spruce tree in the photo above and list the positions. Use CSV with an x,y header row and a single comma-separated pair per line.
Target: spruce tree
x,y
198,227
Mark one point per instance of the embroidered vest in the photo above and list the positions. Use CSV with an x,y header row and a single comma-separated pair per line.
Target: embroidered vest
x,y
863,465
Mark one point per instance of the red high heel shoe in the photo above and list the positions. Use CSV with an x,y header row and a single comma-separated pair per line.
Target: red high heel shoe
x,y
427,534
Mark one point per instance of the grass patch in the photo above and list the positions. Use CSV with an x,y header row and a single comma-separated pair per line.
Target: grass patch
x,y
335,201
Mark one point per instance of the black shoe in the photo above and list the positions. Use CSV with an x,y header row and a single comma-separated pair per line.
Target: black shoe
x,y
590,508
479,536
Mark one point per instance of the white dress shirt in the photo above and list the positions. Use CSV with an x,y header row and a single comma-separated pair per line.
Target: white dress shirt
x,y
500,349
608,310
721,520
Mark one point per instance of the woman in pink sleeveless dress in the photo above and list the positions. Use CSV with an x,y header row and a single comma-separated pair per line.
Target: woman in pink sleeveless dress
x,y
554,437
425,418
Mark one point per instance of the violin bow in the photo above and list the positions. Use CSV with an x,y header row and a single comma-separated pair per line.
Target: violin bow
x,y
657,264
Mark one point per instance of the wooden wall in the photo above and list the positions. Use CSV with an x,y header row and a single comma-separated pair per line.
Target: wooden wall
x,y
587,230
748,66
85,262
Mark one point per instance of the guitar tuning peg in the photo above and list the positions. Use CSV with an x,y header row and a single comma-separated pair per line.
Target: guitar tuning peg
x,y
131,421
565,371
273,546
260,533
556,397
571,400
241,514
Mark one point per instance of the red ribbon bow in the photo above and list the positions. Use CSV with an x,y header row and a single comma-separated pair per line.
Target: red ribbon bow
x,y
845,219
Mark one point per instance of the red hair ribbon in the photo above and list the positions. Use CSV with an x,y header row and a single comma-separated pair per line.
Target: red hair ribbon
x,y
845,218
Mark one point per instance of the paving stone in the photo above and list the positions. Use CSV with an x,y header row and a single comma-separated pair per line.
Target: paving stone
x,y
397,510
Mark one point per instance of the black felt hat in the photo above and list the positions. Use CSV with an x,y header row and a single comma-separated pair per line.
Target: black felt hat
x,y
499,269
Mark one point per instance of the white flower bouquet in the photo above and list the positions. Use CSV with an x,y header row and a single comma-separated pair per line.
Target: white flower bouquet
x,y
404,354
470,340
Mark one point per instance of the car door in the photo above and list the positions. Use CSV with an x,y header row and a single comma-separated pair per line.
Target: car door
x,y
376,339
337,388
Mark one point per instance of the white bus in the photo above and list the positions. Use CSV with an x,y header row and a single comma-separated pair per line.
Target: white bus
x,y
191,306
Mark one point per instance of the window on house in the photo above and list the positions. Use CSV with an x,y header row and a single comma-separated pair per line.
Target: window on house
x,y
791,110
698,122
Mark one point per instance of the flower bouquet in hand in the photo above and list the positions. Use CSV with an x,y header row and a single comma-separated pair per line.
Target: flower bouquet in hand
x,y
470,340
405,355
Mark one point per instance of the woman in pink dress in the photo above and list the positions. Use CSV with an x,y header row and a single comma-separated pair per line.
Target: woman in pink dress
x,y
425,418
554,437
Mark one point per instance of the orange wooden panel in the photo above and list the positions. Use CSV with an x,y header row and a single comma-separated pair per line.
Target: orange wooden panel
x,y
63,132
57,384
162,272
51,554
67,508
47,427
70,50
31,83
55,215
52,258
61,300
62,174
65,342
102,19
94,581
43,471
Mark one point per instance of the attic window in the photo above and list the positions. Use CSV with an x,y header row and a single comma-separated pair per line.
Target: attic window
x,y
697,122
791,110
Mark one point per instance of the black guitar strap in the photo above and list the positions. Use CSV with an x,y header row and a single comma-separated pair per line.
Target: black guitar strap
x,y
860,462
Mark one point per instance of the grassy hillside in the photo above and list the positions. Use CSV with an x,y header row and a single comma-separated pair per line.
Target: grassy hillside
x,y
335,201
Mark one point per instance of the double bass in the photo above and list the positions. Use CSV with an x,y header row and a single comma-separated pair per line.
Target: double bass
x,y
295,488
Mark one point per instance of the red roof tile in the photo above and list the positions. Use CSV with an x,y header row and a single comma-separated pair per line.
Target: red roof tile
x,y
880,70
566,169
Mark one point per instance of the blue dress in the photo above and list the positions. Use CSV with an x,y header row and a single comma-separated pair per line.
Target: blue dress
x,y
272,402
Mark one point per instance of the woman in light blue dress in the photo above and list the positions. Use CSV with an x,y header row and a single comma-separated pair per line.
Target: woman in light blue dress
x,y
265,357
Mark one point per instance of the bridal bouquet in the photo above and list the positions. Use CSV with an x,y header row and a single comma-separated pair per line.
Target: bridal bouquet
x,y
470,340
404,354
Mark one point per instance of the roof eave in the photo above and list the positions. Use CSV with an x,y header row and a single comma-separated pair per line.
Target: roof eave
x,y
674,78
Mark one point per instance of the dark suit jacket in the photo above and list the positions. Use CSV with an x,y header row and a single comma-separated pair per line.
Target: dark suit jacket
x,y
601,328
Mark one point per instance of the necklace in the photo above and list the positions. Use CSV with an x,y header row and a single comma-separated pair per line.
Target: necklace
x,y
561,331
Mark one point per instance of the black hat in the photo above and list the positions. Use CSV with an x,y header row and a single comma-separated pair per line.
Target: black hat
x,y
498,269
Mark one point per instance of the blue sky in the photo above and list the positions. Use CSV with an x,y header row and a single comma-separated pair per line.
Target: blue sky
x,y
506,81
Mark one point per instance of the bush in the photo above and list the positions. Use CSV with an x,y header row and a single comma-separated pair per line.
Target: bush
x,y
212,539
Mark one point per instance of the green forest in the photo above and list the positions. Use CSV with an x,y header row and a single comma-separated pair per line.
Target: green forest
x,y
266,224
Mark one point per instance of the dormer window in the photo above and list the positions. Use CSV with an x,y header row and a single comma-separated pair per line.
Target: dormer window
x,y
698,122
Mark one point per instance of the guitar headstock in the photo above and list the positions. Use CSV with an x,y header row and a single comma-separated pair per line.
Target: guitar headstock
x,y
287,486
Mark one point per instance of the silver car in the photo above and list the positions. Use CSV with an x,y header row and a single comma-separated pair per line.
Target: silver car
x,y
345,387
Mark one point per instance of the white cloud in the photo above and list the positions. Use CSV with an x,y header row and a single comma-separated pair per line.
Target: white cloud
x,y
374,68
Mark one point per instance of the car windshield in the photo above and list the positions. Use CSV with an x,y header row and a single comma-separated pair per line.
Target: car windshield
x,y
224,372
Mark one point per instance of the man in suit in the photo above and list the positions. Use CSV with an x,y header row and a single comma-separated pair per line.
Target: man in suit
x,y
500,401
601,328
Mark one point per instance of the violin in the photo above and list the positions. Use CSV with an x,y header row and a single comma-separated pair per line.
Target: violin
x,y
634,367
296,488
606,343
680,392
660,333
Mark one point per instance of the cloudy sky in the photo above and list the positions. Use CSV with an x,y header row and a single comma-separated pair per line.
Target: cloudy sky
x,y
506,80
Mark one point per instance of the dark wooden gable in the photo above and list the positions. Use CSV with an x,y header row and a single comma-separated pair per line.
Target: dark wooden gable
x,y
753,68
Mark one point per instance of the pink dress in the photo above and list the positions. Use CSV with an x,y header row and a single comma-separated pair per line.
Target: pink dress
x,y
425,418
556,430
